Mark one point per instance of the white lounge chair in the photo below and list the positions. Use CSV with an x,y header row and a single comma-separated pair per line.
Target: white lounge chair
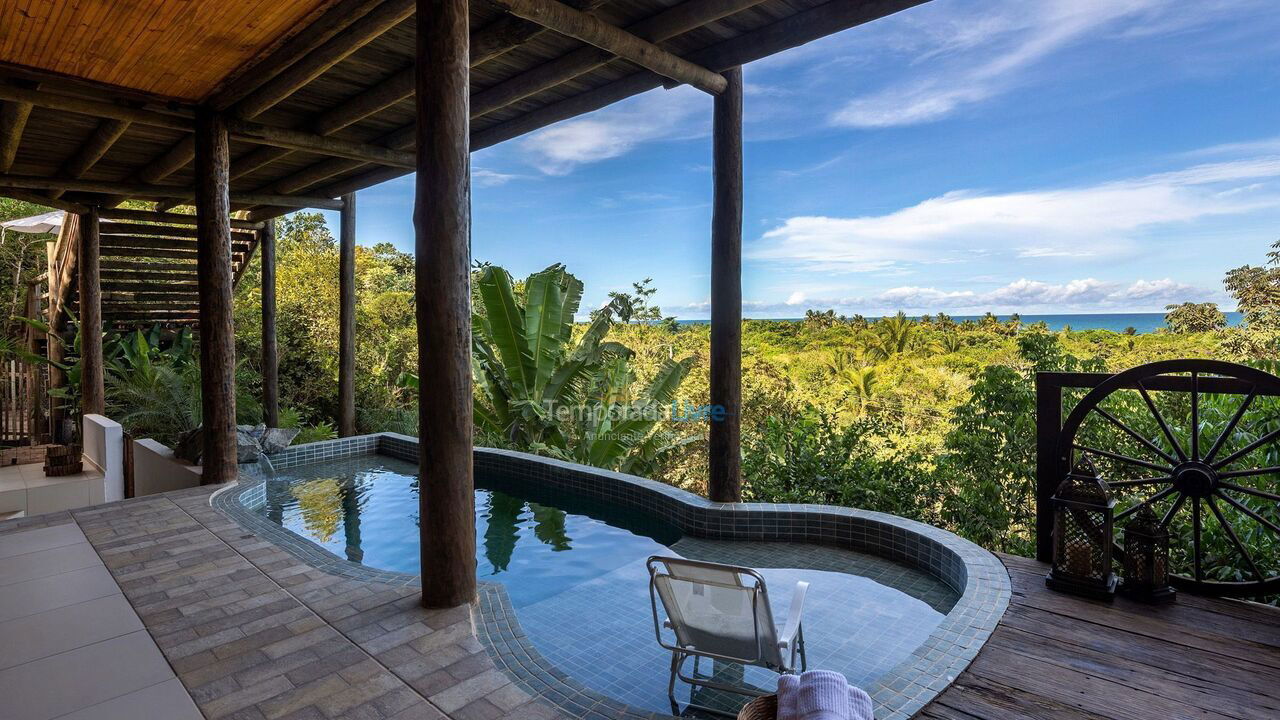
x,y
721,612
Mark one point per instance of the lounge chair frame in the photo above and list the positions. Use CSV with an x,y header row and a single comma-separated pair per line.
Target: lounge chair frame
x,y
681,654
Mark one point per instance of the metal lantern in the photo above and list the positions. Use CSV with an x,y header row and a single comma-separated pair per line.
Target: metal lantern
x,y
1083,530
1146,559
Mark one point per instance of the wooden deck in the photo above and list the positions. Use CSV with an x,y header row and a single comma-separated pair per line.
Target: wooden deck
x,y
1059,657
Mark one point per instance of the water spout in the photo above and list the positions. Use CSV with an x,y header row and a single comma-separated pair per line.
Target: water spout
x,y
265,466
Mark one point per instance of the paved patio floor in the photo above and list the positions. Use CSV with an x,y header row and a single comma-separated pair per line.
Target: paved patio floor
x,y
248,630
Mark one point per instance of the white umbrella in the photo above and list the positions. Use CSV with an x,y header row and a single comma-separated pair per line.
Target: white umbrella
x,y
46,223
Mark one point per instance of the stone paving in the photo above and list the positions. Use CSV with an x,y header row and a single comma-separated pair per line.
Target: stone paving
x,y
255,634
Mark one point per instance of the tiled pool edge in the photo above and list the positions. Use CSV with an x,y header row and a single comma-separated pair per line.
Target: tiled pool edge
x,y
980,578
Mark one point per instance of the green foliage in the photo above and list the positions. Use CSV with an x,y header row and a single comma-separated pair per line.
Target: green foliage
x,y
1257,293
808,456
307,320
1194,318
540,388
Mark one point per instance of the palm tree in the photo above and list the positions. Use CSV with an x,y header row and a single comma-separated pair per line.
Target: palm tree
x,y
855,370
896,333
949,342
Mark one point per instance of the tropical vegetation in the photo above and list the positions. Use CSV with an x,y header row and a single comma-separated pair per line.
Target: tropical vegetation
x,y
930,418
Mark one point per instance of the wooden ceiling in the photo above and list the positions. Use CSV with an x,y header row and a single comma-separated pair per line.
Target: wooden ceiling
x,y
333,95
180,49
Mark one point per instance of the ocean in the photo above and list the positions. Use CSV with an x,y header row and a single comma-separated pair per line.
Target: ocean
x,y
1115,322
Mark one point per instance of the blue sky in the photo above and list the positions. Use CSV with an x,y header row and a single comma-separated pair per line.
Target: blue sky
x,y
961,156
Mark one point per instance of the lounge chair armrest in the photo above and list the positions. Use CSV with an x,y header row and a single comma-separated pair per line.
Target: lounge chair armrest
x,y
793,615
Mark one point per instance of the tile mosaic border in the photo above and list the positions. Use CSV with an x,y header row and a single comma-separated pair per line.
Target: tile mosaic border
x,y
979,577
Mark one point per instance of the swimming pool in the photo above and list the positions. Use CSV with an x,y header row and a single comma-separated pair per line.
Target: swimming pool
x,y
572,567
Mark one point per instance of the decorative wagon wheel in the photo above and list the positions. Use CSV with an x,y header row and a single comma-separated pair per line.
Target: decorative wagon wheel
x,y
1186,477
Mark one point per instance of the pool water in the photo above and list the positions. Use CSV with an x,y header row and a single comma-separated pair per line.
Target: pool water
x,y
537,544
574,569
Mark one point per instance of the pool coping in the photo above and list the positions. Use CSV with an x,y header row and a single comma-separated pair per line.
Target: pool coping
x,y
979,577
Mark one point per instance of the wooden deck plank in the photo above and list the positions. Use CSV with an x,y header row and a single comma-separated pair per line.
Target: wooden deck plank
x,y
1061,658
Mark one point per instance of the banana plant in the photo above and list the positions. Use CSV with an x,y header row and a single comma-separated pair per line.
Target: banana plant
x,y
540,388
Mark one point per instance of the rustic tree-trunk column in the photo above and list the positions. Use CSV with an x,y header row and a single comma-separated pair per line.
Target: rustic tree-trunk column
x,y
270,354
726,295
217,339
91,383
347,318
442,225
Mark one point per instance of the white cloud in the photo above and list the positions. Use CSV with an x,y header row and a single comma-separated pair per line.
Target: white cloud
x,y
1091,221
491,178
967,53
616,130
1024,295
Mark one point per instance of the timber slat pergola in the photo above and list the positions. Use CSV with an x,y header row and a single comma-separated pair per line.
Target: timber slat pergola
x,y
249,109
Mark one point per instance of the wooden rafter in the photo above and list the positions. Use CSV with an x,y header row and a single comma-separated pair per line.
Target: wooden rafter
x,y
13,121
99,142
486,43
160,192
335,48
788,32
657,28
521,93
45,200
593,31
784,34
240,129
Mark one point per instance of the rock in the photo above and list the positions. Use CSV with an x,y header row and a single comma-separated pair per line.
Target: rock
x,y
190,446
274,440
251,442
247,446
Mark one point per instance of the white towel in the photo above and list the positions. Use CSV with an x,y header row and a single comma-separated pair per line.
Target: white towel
x,y
788,687
821,695
860,707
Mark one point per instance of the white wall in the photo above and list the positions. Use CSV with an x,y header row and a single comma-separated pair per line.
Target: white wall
x,y
104,447
155,470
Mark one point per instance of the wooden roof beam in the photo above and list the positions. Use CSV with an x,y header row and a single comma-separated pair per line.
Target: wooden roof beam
x,y
153,192
256,72
103,137
13,121
665,25
796,30
239,129
784,34
486,43
593,31
288,77
823,20
338,48
38,199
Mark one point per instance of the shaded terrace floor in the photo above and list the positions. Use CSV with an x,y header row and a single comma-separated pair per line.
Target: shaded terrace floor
x,y
253,633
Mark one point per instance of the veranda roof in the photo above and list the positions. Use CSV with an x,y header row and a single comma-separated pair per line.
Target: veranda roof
x,y
97,96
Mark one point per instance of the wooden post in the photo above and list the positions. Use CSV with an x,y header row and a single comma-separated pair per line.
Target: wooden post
x,y
270,354
1048,465
726,295
92,392
347,318
217,340
442,272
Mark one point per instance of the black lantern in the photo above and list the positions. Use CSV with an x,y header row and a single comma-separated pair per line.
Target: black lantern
x,y
1146,559
1083,518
